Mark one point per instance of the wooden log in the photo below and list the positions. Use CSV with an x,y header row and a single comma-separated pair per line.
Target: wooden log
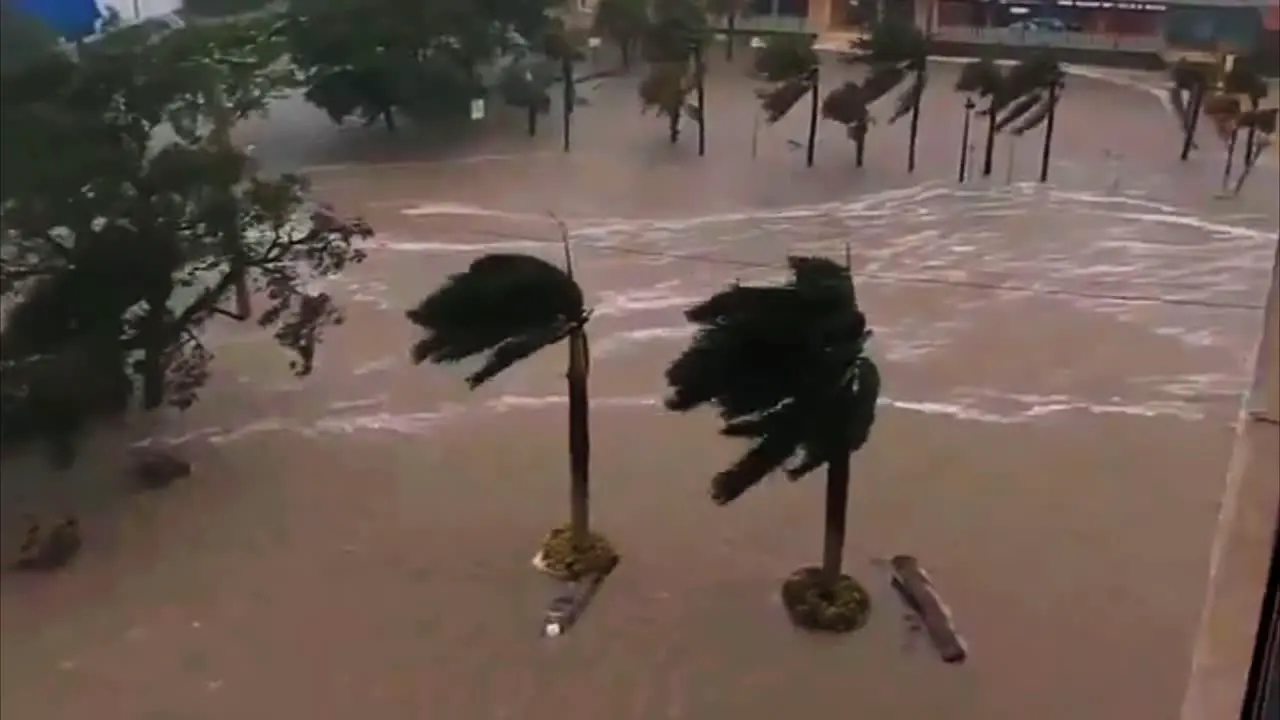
x,y
912,583
571,601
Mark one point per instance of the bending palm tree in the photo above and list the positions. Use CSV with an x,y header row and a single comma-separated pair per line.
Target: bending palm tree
x,y
894,51
787,368
673,47
1020,99
506,307
790,63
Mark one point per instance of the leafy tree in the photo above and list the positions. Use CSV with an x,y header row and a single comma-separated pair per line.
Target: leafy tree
x,y
673,47
116,241
505,308
525,81
625,22
370,58
1191,83
786,368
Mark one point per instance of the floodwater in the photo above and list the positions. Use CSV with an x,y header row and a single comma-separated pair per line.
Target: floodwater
x,y
1062,367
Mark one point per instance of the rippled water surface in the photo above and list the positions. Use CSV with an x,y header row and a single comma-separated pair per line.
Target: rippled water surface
x,y
1062,364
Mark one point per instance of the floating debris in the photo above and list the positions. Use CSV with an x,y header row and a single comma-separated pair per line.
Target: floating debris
x,y
571,601
915,588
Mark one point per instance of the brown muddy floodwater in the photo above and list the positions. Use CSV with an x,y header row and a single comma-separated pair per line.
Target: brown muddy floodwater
x,y
1062,367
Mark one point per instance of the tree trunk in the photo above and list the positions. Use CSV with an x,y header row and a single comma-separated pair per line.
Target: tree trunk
x,y
915,125
532,120
1251,137
673,127
624,47
1197,104
836,512
701,92
989,154
156,343
1047,151
964,141
579,438
233,244
389,119
1231,157
861,150
732,20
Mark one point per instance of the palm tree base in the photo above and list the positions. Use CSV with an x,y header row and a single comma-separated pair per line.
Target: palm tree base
x,y
813,605
560,558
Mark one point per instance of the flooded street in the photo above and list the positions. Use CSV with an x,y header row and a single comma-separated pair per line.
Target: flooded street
x,y
1062,365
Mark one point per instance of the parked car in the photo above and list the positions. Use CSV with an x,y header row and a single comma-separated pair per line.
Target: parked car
x,y
1042,25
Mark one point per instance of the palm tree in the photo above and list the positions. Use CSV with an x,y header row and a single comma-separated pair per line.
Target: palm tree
x,y
980,78
791,65
505,308
848,106
786,367
673,48
1191,83
1018,100
894,51
624,22
1241,79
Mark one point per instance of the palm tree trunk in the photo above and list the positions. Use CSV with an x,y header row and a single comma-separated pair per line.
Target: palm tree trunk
x,y
837,509
1197,103
732,20
673,126
155,343
915,125
624,48
1251,137
1047,150
1231,157
532,120
389,119
989,155
579,439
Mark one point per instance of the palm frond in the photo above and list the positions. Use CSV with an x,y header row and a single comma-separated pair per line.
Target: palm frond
x,y
890,42
767,456
665,87
981,77
882,79
780,99
1017,109
1178,103
779,364
786,57
1187,76
509,305
1036,117
908,98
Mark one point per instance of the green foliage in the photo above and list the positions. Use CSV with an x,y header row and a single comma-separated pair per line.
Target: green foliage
x,y
1188,75
368,58
117,241
785,367
677,27
622,21
778,100
890,43
980,77
505,307
23,39
786,56
1022,102
222,8
1244,80
845,105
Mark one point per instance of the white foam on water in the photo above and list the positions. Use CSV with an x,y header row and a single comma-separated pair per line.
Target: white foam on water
x,y
461,247
618,342
657,297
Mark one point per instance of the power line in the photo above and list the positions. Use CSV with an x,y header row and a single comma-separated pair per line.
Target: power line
x,y
907,279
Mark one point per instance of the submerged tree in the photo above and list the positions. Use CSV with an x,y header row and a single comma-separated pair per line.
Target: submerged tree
x,y
895,51
787,368
116,244
1190,86
673,47
505,308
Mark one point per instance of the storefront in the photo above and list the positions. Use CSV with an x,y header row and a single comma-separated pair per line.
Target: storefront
x,y
1106,17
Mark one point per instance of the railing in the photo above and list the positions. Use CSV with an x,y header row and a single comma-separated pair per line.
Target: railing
x,y
765,24
1043,38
